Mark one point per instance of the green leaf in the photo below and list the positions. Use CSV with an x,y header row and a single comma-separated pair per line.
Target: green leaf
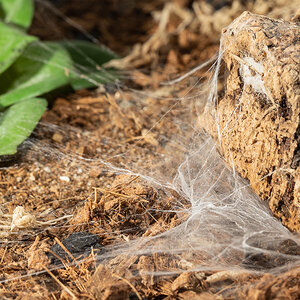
x,y
41,68
87,61
19,12
93,78
18,121
12,43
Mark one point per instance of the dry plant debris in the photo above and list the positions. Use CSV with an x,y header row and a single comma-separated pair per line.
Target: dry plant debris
x,y
51,182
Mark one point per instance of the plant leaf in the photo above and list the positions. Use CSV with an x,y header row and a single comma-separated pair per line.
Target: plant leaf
x,y
87,60
12,43
41,68
19,12
18,121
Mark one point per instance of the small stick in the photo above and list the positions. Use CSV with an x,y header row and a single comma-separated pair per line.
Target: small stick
x,y
60,283
2,258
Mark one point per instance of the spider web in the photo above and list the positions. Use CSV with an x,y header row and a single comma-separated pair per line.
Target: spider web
x,y
225,225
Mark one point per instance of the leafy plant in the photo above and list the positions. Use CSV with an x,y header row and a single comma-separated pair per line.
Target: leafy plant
x,y
18,121
30,68
19,12
89,58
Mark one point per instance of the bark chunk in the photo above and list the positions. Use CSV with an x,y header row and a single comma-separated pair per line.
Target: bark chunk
x,y
259,114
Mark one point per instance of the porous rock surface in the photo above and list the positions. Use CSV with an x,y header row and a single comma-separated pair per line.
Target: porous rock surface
x,y
258,116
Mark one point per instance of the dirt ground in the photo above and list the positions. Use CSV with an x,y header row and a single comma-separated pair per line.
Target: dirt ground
x,y
65,177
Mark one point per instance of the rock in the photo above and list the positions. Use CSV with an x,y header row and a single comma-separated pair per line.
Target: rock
x,y
258,117
78,243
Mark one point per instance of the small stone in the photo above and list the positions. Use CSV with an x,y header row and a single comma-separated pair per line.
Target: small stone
x,y
31,177
64,178
57,137
47,170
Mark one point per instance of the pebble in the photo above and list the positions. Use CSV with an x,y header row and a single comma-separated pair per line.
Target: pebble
x,y
47,169
64,178
57,137
31,177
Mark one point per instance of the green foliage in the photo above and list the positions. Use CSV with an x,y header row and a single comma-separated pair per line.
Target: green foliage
x,y
17,123
88,58
41,68
12,43
30,68
18,12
